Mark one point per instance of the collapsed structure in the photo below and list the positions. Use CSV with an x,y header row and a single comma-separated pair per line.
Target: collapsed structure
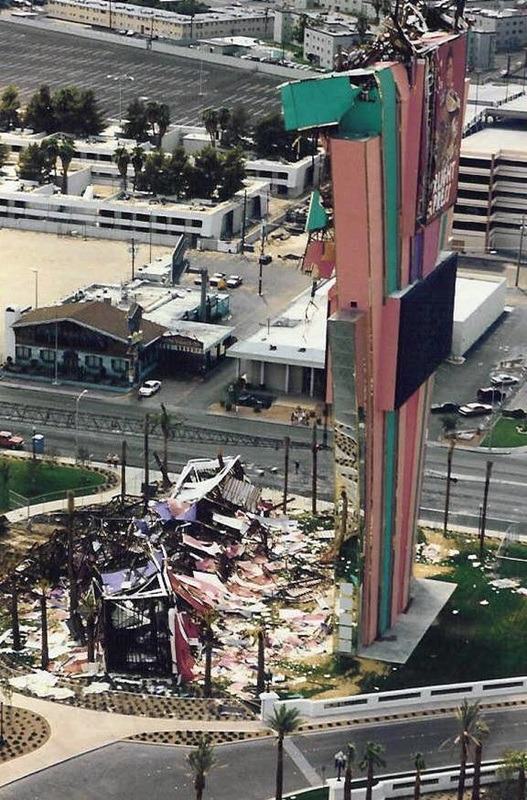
x,y
392,126
157,591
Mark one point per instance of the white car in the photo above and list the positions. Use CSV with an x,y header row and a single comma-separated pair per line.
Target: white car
x,y
475,409
233,281
149,388
504,379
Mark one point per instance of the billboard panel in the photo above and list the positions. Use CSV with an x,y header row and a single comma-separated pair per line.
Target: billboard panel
x,y
447,64
425,328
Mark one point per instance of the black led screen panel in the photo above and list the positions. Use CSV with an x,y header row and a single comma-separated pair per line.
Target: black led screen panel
x,y
425,328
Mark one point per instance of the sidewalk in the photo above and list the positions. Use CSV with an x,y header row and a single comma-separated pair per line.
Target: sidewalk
x,y
75,731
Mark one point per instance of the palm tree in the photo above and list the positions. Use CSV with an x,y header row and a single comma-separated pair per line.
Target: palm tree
x,y
138,160
480,732
260,672
419,765
210,121
89,609
15,621
163,121
348,775
208,619
467,716
44,587
201,761
371,759
66,153
515,761
121,157
52,153
283,722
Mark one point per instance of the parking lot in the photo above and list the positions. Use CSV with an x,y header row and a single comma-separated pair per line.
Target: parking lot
x,y
31,56
506,339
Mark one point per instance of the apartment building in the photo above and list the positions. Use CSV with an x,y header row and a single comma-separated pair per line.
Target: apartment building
x,y
322,44
509,26
156,22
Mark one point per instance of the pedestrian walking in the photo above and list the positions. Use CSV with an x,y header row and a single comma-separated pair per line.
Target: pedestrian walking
x,y
297,467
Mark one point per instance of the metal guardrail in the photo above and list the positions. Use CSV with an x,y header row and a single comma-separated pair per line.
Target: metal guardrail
x,y
120,425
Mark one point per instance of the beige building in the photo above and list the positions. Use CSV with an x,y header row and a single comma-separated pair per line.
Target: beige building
x,y
155,22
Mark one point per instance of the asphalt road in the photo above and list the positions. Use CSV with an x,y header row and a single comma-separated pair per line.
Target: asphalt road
x,y
30,56
246,771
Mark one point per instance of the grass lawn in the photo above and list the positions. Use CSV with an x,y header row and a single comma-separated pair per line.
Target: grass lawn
x,y
504,434
34,479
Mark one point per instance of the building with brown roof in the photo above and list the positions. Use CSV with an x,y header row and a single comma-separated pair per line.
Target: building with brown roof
x,y
92,342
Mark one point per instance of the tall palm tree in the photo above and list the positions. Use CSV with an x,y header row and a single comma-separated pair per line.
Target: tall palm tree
x,y
283,722
371,759
208,619
348,775
260,671
43,586
52,153
163,121
515,762
419,765
121,157
15,621
138,160
467,717
210,121
66,154
480,732
201,761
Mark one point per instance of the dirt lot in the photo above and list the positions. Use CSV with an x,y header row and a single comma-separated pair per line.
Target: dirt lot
x,y
64,264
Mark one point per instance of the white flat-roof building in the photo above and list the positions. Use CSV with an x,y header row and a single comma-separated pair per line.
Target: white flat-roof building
x,y
159,23
508,24
323,43
289,354
478,304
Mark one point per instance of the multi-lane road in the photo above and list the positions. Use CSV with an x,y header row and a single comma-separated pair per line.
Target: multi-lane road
x,y
246,771
508,488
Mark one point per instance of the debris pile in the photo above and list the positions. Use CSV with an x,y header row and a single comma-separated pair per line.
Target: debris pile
x,y
208,573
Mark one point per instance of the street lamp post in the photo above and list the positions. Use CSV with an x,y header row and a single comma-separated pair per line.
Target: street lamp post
x,y
520,251
77,402
340,763
35,273
120,78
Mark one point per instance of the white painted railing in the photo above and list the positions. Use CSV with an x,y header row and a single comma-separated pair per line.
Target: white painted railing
x,y
365,705
403,785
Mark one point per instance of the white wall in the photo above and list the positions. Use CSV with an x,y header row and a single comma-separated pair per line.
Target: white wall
x,y
466,332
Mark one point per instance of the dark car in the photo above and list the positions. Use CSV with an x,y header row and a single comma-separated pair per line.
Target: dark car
x,y
444,408
514,413
254,400
491,394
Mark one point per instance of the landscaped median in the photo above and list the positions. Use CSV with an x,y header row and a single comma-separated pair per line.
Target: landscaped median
x,y
28,481
506,432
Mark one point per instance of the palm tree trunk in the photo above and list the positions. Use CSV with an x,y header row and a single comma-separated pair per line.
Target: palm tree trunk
x,y
44,651
199,785
476,780
347,782
260,679
207,688
369,784
90,634
521,783
462,770
279,768
417,786
64,181
15,624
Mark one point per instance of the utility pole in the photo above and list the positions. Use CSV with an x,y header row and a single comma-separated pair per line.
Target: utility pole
x,y
488,473
448,481
314,453
244,223
132,250
15,623
146,483
287,442
74,600
520,252
123,471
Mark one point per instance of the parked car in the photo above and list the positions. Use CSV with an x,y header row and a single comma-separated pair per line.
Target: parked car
x,y
149,388
233,281
254,400
444,408
475,409
491,394
11,441
514,413
265,259
504,379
